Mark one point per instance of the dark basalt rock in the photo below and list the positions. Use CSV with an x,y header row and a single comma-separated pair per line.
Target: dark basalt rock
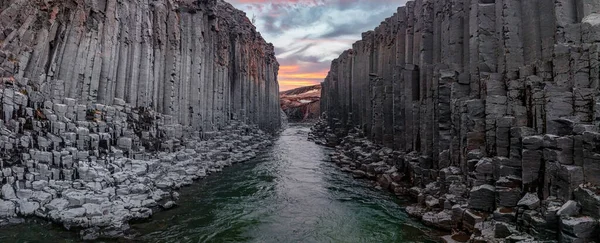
x,y
108,106
504,91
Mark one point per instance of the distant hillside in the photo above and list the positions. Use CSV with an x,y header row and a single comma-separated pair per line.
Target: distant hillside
x,y
301,104
302,90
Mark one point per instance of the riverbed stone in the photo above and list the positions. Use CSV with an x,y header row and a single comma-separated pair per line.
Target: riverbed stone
x,y
8,192
26,208
441,220
57,204
7,209
39,185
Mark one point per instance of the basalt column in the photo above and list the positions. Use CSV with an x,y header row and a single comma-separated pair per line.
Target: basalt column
x,y
499,96
200,62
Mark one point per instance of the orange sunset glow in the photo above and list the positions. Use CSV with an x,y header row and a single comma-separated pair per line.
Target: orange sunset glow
x,y
309,34
290,77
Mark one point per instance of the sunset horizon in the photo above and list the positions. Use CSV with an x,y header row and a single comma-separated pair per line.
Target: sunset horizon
x,y
309,34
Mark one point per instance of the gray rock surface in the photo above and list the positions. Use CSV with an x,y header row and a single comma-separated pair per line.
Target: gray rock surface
x,y
109,106
529,201
482,198
506,91
569,209
581,227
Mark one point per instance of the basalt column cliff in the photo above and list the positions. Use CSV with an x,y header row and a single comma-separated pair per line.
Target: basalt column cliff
x,y
110,105
488,110
201,62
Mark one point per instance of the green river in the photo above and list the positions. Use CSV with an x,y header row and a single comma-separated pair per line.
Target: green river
x,y
289,193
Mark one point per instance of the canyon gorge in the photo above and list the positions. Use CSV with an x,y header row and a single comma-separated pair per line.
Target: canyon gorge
x,y
484,111
453,120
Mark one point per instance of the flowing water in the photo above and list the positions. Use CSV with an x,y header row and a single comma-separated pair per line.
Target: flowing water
x,y
289,193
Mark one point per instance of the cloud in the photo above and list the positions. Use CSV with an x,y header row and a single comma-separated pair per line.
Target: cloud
x,y
308,34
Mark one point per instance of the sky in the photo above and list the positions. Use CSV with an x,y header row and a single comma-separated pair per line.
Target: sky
x,y
309,34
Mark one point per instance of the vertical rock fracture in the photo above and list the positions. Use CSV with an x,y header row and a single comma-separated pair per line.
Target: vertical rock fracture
x,y
487,111
109,105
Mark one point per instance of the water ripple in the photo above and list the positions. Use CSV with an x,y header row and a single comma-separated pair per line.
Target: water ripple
x,y
290,193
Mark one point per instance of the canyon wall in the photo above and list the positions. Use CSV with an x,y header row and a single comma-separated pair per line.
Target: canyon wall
x,y
498,96
200,62
110,106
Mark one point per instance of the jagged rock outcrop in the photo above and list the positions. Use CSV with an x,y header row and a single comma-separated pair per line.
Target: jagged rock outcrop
x,y
477,98
301,104
108,106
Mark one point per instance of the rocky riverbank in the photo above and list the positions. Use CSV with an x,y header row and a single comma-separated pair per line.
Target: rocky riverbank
x,y
96,168
490,109
109,106
483,206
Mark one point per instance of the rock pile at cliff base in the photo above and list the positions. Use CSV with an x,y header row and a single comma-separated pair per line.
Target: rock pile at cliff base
x,y
484,213
91,179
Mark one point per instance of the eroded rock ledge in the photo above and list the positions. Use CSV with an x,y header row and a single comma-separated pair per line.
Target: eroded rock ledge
x,y
108,106
486,112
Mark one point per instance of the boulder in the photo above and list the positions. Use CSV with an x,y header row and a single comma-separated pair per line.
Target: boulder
x,y
7,209
503,230
569,209
529,201
441,220
507,197
415,211
57,204
589,201
482,198
472,218
507,215
8,192
92,209
125,143
74,197
26,208
580,227
169,205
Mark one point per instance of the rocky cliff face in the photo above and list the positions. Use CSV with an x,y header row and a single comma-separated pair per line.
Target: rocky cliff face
x,y
491,107
108,106
199,61
301,104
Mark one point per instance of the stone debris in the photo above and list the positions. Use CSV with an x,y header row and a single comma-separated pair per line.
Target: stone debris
x,y
110,106
529,201
505,93
569,209
584,228
106,192
482,198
